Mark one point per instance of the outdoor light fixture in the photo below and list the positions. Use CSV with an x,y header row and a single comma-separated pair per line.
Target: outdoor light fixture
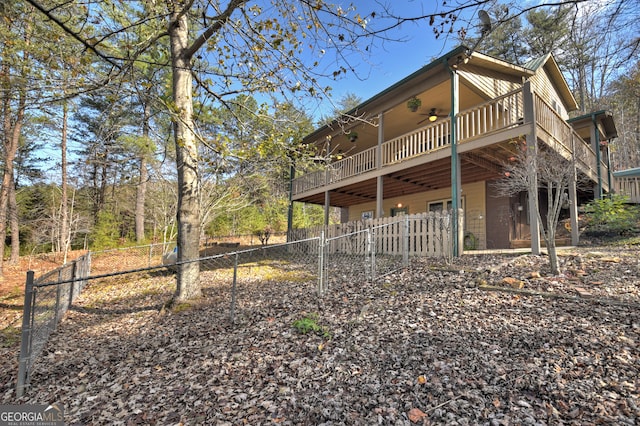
x,y
432,115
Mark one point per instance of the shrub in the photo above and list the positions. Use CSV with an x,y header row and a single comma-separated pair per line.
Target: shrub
x,y
611,215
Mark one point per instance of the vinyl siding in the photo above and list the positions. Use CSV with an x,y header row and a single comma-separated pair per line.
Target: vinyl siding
x,y
491,84
543,86
473,198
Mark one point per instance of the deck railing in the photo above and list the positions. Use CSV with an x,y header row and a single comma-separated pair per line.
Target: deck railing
x,y
419,142
628,186
498,114
566,141
504,112
353,165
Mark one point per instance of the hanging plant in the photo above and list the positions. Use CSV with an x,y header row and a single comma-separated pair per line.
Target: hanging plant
x,y
353,136
413,104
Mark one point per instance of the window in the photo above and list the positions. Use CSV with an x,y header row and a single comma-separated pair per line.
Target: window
x,y
399,211
443,205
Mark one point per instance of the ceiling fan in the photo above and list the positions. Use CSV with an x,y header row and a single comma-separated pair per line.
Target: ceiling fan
x,y
432,116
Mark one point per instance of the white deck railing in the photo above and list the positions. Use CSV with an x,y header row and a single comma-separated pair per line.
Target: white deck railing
x,y
504,112
498,114
424,140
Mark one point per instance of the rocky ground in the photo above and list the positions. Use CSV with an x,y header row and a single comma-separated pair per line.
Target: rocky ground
x,y
489,339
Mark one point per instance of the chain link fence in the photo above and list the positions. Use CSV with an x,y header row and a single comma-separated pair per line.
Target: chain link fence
x,y
232,276
129,258
46,300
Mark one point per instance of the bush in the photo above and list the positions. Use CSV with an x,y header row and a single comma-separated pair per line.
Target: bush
x,y
611,215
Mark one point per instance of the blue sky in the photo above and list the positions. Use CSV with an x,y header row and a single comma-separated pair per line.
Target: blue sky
x,y
391,61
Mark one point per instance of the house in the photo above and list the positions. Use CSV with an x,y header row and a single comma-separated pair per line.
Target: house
x,y
400,152
627,183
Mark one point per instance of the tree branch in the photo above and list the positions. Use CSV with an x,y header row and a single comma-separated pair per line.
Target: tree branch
x,y
72,33
219,21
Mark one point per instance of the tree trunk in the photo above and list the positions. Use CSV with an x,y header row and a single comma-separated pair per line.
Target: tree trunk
x,y
64,205
14,223
141,189
11,126
141,195
188,211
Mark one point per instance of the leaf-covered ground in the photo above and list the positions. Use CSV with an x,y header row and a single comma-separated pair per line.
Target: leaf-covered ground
x,y
487,339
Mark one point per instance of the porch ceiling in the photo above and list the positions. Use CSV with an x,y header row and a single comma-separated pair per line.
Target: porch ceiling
x,y
478,165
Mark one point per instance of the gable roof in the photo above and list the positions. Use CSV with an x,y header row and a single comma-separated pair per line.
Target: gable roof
x,y
549,63
463,55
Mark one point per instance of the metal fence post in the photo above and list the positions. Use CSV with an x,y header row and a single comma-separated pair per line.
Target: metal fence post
x,y
232,314
321,264
56,311
25,343
72,285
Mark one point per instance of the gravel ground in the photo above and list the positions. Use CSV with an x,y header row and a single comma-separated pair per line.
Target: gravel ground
x,y
490,339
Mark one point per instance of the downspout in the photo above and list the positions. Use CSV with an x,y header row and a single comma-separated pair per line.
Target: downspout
x,y
597,149
455,162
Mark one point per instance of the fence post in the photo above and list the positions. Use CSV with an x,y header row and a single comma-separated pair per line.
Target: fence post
x,y
368,254
56,318
72,284
405,241
25,343
373,255
321,264
233,289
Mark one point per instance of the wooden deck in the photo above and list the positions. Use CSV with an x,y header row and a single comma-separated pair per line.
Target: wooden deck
x,y
629,187
482,126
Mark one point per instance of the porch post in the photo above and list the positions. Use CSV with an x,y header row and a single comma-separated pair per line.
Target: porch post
x,y
609,172
532,152
573,197
379,180
327,200
595,138
455,164
327,181
379,195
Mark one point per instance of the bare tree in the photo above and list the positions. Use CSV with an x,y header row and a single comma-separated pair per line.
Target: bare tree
x,y
229,47
533,169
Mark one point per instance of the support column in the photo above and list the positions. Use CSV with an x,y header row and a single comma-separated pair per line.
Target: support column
x,y
379,180
532,161
292,172
573,197
595,143
455,165
379,197
327,205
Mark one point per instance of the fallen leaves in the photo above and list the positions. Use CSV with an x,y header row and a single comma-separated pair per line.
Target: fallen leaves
x,y
416,415
428,348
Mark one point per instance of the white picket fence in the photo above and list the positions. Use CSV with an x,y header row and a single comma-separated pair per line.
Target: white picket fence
x,y
423,234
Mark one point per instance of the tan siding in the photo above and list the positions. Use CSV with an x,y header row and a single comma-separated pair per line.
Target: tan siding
x,y
491,84
474,205
543,86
